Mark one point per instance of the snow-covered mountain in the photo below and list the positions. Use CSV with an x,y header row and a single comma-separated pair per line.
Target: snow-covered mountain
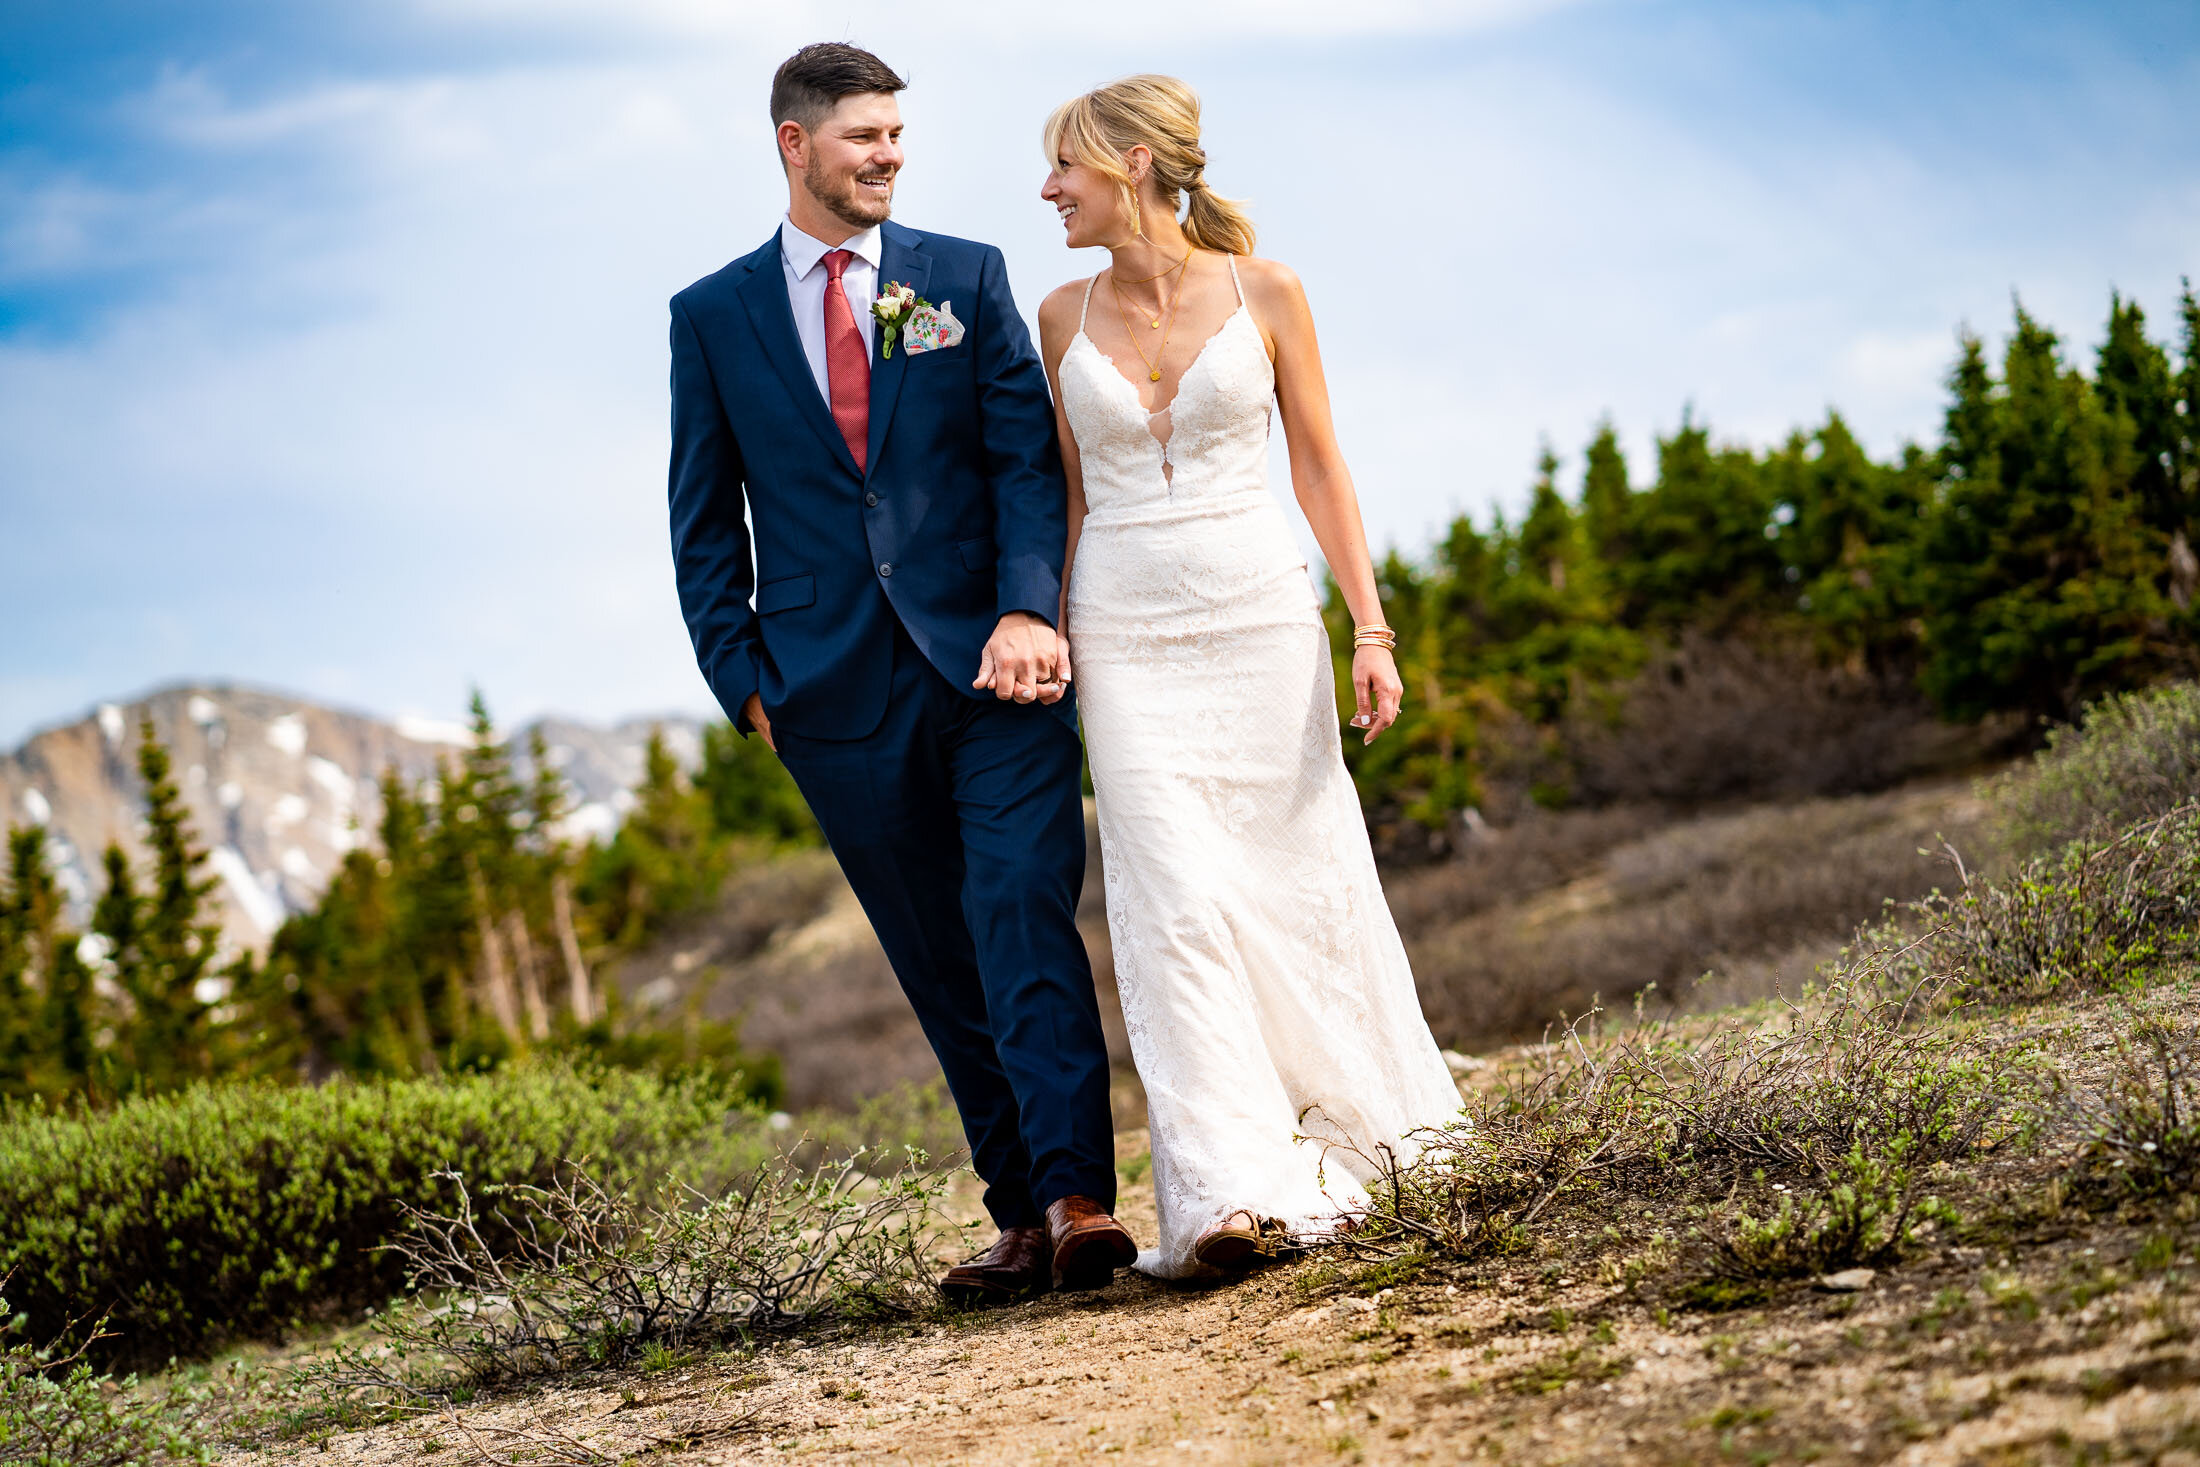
x,y
278,787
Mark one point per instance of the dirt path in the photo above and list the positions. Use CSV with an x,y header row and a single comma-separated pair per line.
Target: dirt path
x,y
2074,1343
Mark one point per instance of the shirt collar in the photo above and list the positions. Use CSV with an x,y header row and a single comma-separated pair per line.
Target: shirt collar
x,y
803,251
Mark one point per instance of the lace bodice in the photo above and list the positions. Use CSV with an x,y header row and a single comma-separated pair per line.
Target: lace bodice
x,y
1211,438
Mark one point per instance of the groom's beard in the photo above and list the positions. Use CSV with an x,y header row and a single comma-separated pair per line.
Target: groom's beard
x,y
850,202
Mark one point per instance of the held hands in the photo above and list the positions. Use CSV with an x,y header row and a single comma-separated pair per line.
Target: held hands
x,y
1375,679
1024,661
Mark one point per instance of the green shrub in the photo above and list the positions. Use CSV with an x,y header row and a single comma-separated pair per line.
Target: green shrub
x,y
56,1411
1869,1215
623,1277
2133,757
2097,915
229,1211
2141,1122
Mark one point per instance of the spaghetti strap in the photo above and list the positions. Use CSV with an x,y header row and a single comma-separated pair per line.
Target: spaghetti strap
x,y
1235,284
1087,306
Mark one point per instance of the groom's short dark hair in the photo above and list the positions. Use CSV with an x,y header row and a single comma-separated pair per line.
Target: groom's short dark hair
x,y
811,82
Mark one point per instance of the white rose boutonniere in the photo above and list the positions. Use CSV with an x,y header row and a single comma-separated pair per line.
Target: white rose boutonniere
x,y
896,303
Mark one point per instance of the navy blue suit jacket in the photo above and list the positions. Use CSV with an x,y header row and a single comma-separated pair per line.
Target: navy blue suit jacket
x,y
960,519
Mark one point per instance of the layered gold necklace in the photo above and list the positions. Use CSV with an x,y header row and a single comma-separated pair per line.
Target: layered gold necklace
x,y
1153,363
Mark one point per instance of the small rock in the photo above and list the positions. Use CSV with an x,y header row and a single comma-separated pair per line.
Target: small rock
x,y
1327,1405
1353,1304
1848,1280
1463,1064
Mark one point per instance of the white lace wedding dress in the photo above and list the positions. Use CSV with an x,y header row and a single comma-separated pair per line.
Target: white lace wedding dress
x,y
1271,1011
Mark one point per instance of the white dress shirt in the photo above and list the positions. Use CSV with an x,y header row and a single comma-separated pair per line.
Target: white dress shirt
x,y
803,256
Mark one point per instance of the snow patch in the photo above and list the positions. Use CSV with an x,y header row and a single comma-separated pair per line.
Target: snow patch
x,y
298,866
35,806
592,821
110,722
433,731
259,908
288,733
203,710
558,756
288,810
194,777
231,794
330,776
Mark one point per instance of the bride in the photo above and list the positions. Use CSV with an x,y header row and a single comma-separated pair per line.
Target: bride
x,y
1271,1011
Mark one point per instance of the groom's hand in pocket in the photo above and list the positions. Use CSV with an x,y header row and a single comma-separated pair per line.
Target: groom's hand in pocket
x,y
1018,659
753,711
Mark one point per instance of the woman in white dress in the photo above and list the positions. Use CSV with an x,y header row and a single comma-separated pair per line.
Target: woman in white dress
x,y
1271,1011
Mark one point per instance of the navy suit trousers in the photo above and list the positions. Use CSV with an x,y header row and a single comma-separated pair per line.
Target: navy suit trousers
x,y
960,826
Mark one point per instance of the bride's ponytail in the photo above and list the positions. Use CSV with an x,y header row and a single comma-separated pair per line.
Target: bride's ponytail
x,y
1217,223
1161,114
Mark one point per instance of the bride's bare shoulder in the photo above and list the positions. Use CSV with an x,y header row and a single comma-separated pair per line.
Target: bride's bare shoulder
x,y
1058,312
1269,279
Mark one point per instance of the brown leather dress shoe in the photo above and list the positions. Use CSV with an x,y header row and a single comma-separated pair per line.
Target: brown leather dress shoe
x,y
1089,1245
1018,1264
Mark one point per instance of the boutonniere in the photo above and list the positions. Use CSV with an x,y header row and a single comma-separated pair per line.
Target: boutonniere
x,y
896,303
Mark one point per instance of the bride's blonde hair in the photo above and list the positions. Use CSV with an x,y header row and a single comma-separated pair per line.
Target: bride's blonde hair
x,y
1100,128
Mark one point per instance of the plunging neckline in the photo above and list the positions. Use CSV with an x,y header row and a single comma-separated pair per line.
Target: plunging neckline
x,y
1168,475
1197,357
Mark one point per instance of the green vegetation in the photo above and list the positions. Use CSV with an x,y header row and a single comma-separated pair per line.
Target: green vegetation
x,y
57,1411
1836,1110
232,1211
2039,556
463,937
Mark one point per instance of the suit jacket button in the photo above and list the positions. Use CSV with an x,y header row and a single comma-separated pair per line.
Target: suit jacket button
x,y
887,569
870,499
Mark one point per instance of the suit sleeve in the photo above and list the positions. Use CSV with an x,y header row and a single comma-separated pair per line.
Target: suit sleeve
x,y
1023,460
711,559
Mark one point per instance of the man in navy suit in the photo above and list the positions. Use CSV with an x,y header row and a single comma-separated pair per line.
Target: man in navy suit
x,y
885,622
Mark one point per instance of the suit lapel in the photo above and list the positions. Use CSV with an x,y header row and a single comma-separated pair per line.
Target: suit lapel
x,y
764,296
899,261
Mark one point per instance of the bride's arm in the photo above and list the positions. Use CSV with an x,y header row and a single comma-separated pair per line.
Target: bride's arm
x,y
1320,479
1056,329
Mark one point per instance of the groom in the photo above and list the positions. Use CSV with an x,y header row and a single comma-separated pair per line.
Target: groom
x,y
885,623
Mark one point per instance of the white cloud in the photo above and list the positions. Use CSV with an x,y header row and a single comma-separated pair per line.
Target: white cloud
x,y
397,425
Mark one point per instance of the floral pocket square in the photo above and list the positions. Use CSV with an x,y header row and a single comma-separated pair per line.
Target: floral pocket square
x,y
932,327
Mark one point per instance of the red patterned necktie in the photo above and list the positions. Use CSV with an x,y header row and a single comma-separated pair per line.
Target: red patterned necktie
x,y
847,360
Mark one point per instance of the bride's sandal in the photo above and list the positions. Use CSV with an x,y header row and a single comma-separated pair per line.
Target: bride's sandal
x,y
1238,1242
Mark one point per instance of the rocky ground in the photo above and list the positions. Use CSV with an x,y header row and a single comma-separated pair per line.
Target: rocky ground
x,y
2037,1329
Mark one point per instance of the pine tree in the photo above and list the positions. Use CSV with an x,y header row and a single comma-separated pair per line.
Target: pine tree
x,y
49,1018
1848,534
2038,584
174,945
19,977
1607,500
547,804
2137,387
1702,555
665,858
749,791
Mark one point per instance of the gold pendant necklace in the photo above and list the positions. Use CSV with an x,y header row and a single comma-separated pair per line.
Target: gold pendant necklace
x,y
1153,364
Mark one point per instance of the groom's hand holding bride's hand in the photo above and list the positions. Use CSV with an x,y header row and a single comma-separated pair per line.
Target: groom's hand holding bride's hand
x,y
1024,661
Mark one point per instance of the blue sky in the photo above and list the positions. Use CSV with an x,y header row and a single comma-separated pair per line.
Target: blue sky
x,y
332,336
